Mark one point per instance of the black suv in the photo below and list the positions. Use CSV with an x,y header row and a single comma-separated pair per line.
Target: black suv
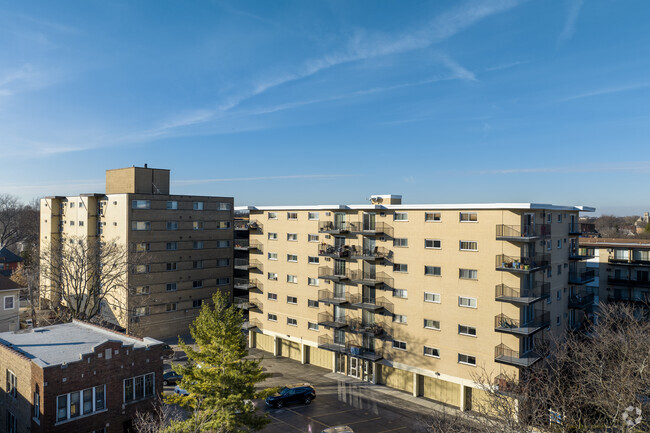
x,y
303,393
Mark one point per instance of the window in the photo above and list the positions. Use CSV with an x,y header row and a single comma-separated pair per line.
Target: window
x,y
196,303
72,203
71,223
397,267
312,326
223,244
432,324
223,206
468,246
292,215
197,284
172,205
141,225
400,216
467,302
401,345
559,295
559,244
312,260
292,258
273,256
223,263
558,321
9,302
292,237
312,238
141,290
400,242
223,225
197,264
312,281
197,225
432,216
171,246
12,383
140,311
400,293
74,404
37,405
549,272
312,303
432,243
81,223
272,317
292,279
223,281
197,205
141,269
399,318
291,321
559,269
171,287
466,359
314,216
468,274
273,276
172,225
138,388
432,270
136,204
272,296
559,217
292,300
432,352
171,266
467,330
273,215
273,236
197,245
171,306
549,217
468,217
431,297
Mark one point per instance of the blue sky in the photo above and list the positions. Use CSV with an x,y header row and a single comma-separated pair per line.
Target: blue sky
x,y
301,102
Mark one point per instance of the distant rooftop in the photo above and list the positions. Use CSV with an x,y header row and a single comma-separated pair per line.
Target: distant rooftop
x,y
614,242
65,343
8,284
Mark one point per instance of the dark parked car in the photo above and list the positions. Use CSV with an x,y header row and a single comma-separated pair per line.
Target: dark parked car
x,y
171,377
167,351
303,393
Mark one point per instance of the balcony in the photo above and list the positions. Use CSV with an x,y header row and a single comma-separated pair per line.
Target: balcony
x,y
360,277
251,324
627,282
246,244
371,229
582,277
329,298
245,264
326,342
376,253
581,254
503,323
334,228
335,252
523,232
581,300
522,265
575,228
246,284
505,355
377,330
246,304
328,320
248,225
371,304
359,351
333,274
514,295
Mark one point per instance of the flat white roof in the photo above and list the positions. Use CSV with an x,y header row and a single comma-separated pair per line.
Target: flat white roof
x,y
462,206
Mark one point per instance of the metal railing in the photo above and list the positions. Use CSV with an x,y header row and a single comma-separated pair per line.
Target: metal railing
x,y
246,284
326,342
247,225
378,330
247,244
360,277
327,273
245,264
525,231
504,354
519,264
330,321
361,351
371,303
506,324
246,303
252,323
537,292
334,227
575,228
581,300
581,277
376,253
628,282
371,229
337,252
328,297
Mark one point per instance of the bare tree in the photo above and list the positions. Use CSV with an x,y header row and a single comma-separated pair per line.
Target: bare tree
x,y
156,420
18,222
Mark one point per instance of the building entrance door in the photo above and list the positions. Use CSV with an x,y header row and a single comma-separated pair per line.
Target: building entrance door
x,y
354,367
368,371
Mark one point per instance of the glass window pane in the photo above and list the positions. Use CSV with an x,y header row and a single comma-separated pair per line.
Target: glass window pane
x,y
128,390
139,387
88,400
74,404
62,407
148,385
99,398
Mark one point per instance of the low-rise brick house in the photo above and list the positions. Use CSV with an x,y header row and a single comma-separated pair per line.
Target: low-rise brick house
x,y
76,377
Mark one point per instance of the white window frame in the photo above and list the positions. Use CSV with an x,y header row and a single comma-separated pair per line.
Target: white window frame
x,y
272,256
402,318
273,236
292,322
172,205
293,279
433,217
432,268
13,302
272,296
400,216
467,361
273,276
469,217
433,244
402,268
467,333
312,326
197,205
144,391
272,317
292,300
313,281
272,215
460,245
136,204
435,295
399,345
292,216
400,293
313,260
292,237
400,242
313,216
432,327
433,350
293,258
469,300
312,238
470,273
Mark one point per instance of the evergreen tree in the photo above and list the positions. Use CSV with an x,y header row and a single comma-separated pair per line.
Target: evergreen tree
x,y
220,382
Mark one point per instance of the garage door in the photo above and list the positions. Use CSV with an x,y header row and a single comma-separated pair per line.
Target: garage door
x,y
263,342
290,350
441,390
320,357
398,379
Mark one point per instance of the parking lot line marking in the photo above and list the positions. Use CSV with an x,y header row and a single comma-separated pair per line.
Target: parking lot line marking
x,y
394,429
334,413
284,422
365,420
308,417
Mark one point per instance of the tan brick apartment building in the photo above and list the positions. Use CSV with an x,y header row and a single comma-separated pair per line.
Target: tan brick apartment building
x,y
186,241
416,297
76,377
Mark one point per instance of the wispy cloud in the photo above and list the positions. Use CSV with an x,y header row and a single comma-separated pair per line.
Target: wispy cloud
x,y
458,71
19,79
409,179
633,166
570,22
259,178
504,66
606,91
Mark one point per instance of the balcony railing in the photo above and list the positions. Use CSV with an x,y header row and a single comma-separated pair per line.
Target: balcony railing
x,y
360,351
581,300
247,244
371,229
628,282
377,330
371,304
360,277
326,342
328,320
575,228
334,274
247,225
246,284
505,355
245,264
250,324
246,303
337,252
581,254
330,298
503,323
522,232
376,253
523,265
582,277
334,228
515,295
